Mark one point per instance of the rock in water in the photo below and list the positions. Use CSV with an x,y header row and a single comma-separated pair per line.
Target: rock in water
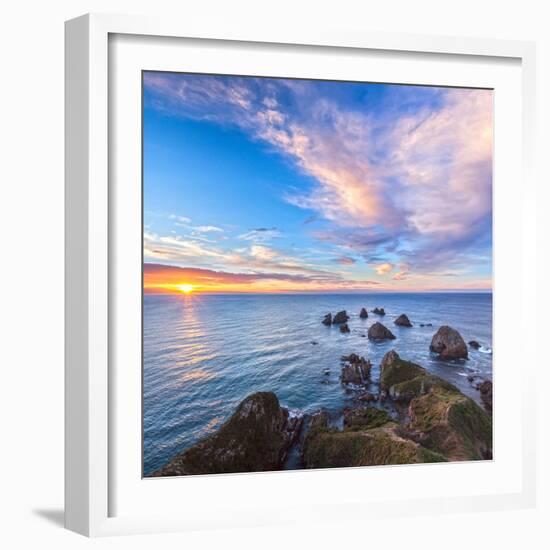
x,y
256,438
379,332
363,314
327,320
403,321
344,328
474,344
340,317
448,344
379,311
356,370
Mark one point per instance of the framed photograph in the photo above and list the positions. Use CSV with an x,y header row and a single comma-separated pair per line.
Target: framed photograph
x,y
295,275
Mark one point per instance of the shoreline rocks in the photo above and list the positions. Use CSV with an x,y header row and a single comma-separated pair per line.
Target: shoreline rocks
x,y
486,391
369,438
256,438
449,344
378,332
403,321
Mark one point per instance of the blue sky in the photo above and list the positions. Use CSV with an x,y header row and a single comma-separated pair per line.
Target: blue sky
x,y
261,184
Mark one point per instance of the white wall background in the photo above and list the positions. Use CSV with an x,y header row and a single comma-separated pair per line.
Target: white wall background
x,y
31,266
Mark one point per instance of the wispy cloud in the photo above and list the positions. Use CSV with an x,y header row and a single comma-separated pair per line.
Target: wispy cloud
x,y
344,260
208,229
261,234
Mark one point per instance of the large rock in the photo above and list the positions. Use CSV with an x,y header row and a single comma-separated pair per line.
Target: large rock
x,y
394,370
452,424
368,439
379,332
340,317
355,370
256,438
403,380
403,321
363,314
448,344
327,320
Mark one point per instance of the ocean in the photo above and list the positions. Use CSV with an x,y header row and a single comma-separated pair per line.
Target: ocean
x,y
203,354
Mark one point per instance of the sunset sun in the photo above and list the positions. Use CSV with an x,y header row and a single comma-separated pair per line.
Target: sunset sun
x,y
185,288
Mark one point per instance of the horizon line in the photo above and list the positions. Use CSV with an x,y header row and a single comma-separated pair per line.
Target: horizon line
x,y
317,293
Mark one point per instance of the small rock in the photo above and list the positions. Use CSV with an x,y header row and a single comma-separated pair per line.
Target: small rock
x,y
474,344
326,372
403,321
379,332
486,391
448,344
379,311
368,397
314,343
356,369
363,313
327,320
344,328
340,317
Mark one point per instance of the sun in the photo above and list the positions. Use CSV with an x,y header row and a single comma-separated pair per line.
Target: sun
x,y
185,288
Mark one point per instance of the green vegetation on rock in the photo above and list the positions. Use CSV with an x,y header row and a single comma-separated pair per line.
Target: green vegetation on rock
x,y
453,424
365,418
330,448
395,370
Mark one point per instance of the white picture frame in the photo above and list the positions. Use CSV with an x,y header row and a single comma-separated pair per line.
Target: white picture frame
x,y
93,392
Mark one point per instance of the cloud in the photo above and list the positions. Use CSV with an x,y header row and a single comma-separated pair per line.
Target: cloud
x,y
180,219
261,234
384,268
208,229
160,278
344,260
410,178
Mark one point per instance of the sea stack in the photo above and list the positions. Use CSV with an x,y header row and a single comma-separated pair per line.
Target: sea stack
x,y
363,314
449,344
327,321
340,317
379,311
403,321
379,332
344,328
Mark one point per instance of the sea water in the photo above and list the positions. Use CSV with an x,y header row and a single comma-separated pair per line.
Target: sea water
x,y
203,354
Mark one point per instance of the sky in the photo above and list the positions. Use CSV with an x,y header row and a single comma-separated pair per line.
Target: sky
x,y
286,185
